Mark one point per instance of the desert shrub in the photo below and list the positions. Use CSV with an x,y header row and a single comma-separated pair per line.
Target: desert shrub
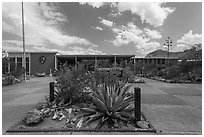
x,y
174,72
127,74
71,84
154,70
186,66
107,76
18,72
5,62
7,79
111,104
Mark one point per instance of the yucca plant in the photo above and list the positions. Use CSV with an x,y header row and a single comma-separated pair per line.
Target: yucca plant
x,y
111,104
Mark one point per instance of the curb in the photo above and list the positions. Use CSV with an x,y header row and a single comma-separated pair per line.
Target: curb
x,y
151,130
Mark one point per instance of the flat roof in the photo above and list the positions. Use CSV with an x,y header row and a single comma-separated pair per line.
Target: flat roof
x,y
153,58
90,56
34,52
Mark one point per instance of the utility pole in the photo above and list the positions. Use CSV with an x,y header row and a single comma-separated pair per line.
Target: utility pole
x,y
168,44
24,58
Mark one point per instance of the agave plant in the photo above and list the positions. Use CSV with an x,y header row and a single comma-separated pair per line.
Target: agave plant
x,y
111,104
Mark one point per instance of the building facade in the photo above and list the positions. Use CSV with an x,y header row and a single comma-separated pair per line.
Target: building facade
x,y
48,62
36,62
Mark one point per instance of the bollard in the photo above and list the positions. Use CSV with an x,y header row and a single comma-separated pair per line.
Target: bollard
x,y
137,102
51,91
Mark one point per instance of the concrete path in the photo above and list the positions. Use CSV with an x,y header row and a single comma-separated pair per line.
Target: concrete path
x,y
20,98
172,108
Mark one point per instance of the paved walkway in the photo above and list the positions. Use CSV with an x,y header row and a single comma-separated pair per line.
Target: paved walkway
x,y
173,108
20,98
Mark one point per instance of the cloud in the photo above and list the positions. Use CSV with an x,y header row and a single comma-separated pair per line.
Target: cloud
x,y
15,45
42,24
7,28
94,4
190,39
132,34
97,28
152,13
181,45
152,33
106,22
80,50
72,51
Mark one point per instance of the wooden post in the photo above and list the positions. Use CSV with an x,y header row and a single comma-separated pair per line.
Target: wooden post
x,y
52,91
137,102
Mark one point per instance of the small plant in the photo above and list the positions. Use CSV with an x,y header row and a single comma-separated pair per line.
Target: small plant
x,y
111,104
7,79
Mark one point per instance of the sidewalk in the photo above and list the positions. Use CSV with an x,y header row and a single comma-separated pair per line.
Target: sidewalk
x,y
20,98
172,108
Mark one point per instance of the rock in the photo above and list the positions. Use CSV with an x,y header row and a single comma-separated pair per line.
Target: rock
x,y
21,127
61,116
34,117
73,120
69,110
79,124
55,116
16,80
69,123
143,124
45,111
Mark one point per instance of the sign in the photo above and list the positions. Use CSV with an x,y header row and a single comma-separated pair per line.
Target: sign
x,y
42,59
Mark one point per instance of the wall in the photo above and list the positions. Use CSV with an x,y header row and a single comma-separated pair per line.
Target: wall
x,y
38,67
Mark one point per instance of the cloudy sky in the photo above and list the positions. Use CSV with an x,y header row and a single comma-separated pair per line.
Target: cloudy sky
x,y
101,28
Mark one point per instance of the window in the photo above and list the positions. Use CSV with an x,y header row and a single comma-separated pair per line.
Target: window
x,y
19,59
19,62
12,64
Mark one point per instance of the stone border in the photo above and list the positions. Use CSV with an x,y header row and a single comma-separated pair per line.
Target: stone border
x,y
11,130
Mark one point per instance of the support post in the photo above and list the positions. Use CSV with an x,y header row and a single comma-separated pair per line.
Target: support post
x,y
95,62
115,62
137,102
9,66
56,63
50,73
134,65
52,91
76,62
126,63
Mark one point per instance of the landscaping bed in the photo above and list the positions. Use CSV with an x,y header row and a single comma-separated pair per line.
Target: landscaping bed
x,y
184,72
70,123
84,100
176,80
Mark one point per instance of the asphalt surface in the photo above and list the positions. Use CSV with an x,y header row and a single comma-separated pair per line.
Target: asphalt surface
x,y
20,98
170,108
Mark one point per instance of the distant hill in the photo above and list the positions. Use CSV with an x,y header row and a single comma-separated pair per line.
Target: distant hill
x,y
187,54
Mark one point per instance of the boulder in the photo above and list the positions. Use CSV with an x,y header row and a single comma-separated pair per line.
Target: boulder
x,y
34,117
143,124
